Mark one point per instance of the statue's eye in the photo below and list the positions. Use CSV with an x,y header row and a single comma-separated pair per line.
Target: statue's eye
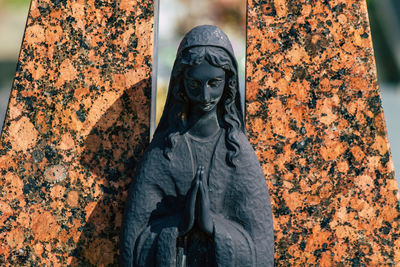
x,y
194,83
215,83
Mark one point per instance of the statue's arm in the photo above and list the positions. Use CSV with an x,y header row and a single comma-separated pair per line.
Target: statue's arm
x,y
233,245
255,207
142,199
246,237
255,213
246,225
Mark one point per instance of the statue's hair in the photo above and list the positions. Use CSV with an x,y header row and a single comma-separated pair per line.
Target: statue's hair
x,y
173,121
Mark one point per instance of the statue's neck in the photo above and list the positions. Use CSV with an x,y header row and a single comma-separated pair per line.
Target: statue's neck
x,y
203,125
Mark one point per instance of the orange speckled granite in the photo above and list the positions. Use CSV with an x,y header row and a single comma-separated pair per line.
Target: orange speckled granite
x,y
314,117
76,125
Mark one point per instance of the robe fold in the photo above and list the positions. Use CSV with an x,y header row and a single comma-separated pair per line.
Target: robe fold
x,y
239,202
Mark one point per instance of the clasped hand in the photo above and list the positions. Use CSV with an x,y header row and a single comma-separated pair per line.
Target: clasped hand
x,y
197,209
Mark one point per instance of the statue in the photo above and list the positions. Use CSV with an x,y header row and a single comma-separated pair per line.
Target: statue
x,y
199,196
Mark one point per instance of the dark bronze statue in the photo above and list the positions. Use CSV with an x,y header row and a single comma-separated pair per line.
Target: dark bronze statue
x,y
199,196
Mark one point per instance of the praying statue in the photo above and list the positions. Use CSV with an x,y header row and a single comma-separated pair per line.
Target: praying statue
x,y
199,197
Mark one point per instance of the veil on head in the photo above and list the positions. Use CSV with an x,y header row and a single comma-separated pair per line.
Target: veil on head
x,y
205,35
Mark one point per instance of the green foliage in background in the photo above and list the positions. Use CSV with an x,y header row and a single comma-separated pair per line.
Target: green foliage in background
x,y
15,3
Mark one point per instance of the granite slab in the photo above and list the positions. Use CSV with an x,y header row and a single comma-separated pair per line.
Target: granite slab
x,y
315,119
76,125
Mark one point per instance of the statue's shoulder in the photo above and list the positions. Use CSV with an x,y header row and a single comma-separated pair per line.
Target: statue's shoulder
x,y
152,165
246,160
154,153
245,148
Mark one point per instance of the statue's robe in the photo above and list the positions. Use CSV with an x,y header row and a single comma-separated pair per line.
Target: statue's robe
x,y
240,205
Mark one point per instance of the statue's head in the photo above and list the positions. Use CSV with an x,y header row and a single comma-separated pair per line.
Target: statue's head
x,y
204,77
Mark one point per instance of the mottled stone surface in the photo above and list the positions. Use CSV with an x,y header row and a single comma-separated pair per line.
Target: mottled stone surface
x,y
76,125
315,119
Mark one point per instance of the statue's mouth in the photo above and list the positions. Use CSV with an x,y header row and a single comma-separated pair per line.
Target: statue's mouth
x,y
207,106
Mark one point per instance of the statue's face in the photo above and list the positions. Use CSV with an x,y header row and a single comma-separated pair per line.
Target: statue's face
x,y
204,85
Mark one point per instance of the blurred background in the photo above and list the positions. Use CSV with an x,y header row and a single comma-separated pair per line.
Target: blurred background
x,y
179,16
13,14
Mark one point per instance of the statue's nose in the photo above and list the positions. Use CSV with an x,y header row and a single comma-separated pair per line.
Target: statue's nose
x,y
205,93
